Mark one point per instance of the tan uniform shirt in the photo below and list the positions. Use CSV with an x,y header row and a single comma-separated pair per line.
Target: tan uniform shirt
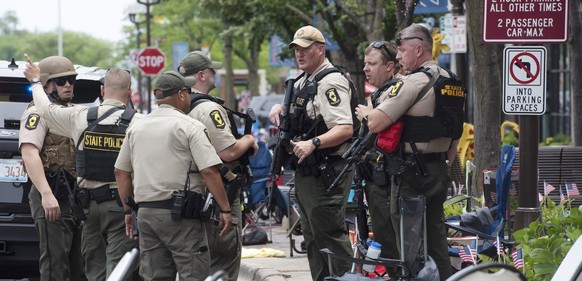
x,y
160,149
72,122
402,97
333,97
33,128
215,119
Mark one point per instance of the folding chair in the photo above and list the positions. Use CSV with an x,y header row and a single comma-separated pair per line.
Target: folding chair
x,y
414,262
124,267
486,225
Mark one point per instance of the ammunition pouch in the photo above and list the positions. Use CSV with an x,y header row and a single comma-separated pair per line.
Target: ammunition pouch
x,y
189,205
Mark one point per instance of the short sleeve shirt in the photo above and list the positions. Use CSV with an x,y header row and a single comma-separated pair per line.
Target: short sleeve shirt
x,y
33,128
333,97
72,122
215,118
160,149
401,101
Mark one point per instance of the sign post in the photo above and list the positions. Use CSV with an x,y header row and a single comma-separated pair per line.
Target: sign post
x,y
524,75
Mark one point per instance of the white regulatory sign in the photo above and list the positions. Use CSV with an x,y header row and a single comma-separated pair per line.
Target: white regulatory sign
x,y
524,80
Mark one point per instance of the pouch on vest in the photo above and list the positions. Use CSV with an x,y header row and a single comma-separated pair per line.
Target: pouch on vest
x,y
389,139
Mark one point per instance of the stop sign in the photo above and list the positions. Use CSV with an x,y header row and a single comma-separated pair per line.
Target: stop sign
x,y
151,61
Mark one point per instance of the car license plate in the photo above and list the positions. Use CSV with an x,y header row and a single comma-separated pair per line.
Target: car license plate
x,y
12,170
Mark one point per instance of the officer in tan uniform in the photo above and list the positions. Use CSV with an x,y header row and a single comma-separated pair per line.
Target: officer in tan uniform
x,y
225,251
49,161
380,67
103,241
322,127
161,151
415,55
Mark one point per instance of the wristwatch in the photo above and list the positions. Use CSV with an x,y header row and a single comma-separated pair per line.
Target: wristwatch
x,y
316,142
35,80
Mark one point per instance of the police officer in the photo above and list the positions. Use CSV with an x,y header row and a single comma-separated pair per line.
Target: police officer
x,y
225,251
49,161
159,152
103,241
380,67
323,126
415,56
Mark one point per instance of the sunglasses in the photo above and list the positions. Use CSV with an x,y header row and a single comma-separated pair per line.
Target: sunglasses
x,y
406,38
187,89
380,45
61,81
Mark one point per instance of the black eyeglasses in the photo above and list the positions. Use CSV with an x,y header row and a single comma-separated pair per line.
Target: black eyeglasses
x,y
187,89
380,45
60,81
406,38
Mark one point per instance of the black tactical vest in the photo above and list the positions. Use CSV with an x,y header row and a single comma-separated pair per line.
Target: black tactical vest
x,y
448,113
101,145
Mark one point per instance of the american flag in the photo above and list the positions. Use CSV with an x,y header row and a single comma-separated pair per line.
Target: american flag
x,y
562,196
517,257
548,188
468,255
572,189
494,197
540,197
498,246
460,191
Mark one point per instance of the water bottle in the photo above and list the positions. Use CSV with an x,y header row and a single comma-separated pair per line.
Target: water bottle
x,y
373,253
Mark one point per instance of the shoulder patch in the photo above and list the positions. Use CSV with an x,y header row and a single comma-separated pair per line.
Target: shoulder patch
x,y
333,97
217,119
32,121
395,89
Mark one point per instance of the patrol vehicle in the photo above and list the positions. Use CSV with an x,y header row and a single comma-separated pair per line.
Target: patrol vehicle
x,y
19,252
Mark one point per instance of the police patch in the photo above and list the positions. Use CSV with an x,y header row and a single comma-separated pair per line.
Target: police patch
x,y
32,121
332,97
395,89
217,119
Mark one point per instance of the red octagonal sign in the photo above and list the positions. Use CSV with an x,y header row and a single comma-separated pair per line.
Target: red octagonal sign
x,y
151,61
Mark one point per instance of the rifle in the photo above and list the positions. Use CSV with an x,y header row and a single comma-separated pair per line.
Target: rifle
x,y
283,137
354,153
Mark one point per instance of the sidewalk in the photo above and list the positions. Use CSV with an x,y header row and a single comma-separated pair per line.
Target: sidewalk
x,y
289,268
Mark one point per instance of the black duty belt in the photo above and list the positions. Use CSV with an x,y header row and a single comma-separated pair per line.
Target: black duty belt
x,y
102,193
427,157
162,204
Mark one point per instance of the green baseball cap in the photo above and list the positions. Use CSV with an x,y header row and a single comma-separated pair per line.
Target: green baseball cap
x,y
196,61
170,83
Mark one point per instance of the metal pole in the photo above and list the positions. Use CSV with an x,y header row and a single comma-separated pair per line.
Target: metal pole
x,y
133,19
529,134
147,3
459,10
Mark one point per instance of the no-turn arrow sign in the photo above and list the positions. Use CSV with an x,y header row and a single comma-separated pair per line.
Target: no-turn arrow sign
x,y
151,61
524,76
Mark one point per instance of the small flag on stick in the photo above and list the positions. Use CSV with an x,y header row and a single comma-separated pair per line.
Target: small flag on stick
x,y
517,257
548,188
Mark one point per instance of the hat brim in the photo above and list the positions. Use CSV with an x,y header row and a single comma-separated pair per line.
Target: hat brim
x,y
189,81
215,65
303,43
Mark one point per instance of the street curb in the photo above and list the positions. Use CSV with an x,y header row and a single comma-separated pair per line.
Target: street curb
x,y
255,272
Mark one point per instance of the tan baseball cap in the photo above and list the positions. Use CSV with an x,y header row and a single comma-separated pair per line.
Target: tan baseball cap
x,y
306,36
196,61
170,83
